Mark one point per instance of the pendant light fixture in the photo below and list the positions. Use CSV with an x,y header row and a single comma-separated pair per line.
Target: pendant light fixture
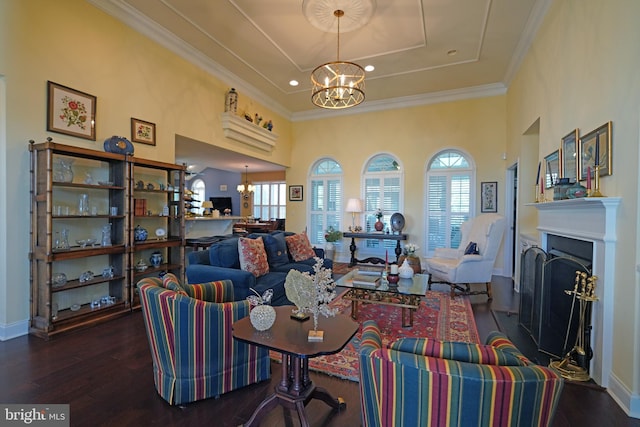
x,y
246,189
337,84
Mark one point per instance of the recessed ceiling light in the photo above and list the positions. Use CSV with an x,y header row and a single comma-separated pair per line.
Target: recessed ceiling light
x,y
294,83
452,52
369,68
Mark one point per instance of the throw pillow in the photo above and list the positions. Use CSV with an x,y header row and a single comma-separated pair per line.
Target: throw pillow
x,y
253,257
277,251
300,247
471,249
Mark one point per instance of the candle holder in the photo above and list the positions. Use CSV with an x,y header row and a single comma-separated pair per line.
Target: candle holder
x,y
539,195
596,183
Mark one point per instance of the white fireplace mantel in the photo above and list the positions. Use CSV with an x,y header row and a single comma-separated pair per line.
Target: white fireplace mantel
x,y
590,219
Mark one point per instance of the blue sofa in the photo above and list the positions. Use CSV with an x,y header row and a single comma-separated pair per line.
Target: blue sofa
x,y
222,262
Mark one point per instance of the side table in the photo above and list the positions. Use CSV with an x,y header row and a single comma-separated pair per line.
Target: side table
x,y
289,337
378,236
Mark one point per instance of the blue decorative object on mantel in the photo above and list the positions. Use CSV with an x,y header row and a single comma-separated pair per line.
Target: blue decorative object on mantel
x,y
118,145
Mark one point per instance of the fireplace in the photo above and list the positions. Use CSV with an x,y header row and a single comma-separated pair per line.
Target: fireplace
x,y
591,221
565,256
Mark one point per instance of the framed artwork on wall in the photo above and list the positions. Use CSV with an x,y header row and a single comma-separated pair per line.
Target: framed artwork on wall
x,y
143,132
489,195
569,155
70,111
295,193
595,149
552,169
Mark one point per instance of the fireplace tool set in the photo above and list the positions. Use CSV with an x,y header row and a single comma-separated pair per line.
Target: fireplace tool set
x,y
575,365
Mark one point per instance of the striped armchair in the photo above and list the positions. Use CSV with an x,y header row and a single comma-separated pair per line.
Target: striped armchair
x,y
424,382
189,331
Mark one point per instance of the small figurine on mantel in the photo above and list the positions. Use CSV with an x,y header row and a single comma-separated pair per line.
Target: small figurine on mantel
x,y
268,125
258,119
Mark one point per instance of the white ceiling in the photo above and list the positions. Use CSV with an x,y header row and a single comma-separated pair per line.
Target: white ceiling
x,y
258,46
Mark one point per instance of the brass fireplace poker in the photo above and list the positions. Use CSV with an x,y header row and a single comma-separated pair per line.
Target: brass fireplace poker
x,y
574,366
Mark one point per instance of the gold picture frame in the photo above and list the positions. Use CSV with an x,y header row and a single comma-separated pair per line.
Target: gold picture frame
x,y
597,141
143,132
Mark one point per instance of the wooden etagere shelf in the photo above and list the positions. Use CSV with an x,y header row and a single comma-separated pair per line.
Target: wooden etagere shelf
x,y
83,247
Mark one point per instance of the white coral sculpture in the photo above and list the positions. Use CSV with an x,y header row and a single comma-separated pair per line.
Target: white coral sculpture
x,y
312,293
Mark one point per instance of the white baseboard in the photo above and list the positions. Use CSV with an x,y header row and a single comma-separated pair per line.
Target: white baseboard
x,y
14,330
629,402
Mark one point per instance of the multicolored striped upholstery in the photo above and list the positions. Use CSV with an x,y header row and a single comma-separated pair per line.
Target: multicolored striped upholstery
x,y
193,351
422,382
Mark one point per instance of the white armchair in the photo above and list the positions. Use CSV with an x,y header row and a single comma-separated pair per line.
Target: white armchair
x,y
453,267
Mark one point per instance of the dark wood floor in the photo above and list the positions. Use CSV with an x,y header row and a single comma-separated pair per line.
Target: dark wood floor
x,y
104,373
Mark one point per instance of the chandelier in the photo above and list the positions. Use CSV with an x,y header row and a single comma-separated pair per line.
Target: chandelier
x,y
337,84
245,189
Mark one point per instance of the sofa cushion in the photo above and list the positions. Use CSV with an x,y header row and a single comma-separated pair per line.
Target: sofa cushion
x,y
275,281
275,246
277,252
225,254
253,257
300,247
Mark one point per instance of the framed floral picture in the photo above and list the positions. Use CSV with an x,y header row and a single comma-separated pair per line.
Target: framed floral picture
x,y
295,193
489,194
143,132
70,111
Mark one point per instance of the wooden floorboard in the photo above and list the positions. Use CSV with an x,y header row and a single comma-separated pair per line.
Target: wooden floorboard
x,y
105,374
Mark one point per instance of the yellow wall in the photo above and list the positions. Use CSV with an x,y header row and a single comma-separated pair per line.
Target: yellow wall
x,y
74,44
581,72
414,136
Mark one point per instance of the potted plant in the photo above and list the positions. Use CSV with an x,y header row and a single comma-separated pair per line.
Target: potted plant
x,y
331,235
379,225
409,253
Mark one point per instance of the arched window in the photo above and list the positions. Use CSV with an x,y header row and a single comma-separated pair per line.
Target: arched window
x,y
450,198
382,191
325,201
199,194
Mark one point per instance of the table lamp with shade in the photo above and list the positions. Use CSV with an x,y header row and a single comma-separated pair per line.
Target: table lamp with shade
x,y
354,206
207,206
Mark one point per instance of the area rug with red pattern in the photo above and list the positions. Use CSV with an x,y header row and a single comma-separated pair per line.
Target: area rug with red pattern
x,y
438,316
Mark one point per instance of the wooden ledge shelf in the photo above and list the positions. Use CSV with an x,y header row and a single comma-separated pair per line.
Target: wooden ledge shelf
x,y
249,133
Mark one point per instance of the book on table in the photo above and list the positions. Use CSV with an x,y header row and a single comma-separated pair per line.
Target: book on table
x,y
368,280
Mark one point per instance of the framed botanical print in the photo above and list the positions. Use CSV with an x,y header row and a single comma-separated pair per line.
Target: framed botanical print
x,y
143,132
489,194
70,111
595,150
569,156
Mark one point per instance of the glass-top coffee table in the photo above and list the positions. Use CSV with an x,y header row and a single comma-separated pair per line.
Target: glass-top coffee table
x,y
407,295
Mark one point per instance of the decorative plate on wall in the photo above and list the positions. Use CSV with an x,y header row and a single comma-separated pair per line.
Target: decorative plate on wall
x,y
397,222
118,144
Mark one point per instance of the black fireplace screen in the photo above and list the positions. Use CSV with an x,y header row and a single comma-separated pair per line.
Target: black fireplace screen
x,y
545,308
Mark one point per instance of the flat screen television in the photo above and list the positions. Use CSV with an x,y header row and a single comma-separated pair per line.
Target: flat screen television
x,y
221,203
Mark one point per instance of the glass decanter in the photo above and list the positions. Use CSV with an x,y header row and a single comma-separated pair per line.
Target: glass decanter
x,y
106,235
62,171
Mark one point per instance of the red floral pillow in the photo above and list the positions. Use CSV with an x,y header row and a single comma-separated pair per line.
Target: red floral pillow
x,y
253,257
300,247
